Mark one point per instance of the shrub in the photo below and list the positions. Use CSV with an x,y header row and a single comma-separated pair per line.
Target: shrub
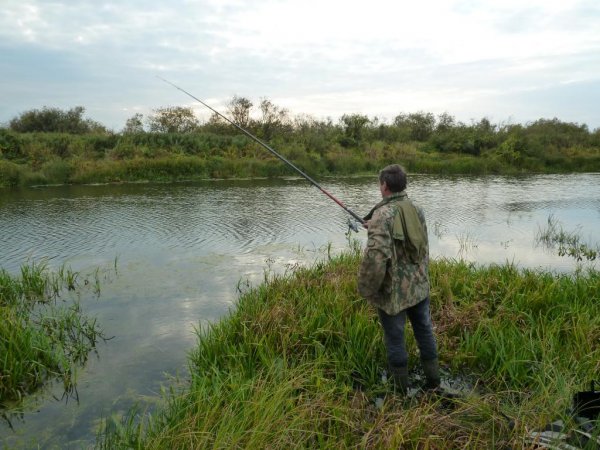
x,y
10,174
122,151
55,120
59,144
10,145
102,143
57,171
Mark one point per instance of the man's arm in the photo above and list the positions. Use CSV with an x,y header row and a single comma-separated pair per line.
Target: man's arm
x,y
374,263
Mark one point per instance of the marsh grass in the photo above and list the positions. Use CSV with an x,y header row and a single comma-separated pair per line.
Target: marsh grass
x,y
43,333
466,243
299,363
567,243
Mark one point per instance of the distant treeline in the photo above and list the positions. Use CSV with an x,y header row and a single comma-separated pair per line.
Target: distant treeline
x,y
55,146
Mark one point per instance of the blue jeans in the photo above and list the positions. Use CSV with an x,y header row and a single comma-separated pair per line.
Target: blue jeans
x,y
393,332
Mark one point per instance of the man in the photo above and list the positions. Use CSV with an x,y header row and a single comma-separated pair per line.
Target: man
x,y
394,277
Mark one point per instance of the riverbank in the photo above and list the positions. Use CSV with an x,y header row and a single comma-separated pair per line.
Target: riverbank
x,y
58,158
299,363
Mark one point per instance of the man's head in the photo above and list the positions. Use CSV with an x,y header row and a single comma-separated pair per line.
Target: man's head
x,y
392,179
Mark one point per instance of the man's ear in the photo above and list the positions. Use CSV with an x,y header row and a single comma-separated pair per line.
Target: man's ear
x,y
384,188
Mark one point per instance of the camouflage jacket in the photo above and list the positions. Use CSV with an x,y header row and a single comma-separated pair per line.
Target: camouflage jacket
x,y
391,276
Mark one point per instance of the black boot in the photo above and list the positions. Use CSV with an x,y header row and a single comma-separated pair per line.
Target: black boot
x,y
400,378
432,381
432,374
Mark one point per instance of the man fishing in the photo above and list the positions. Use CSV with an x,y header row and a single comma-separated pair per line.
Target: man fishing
x,y
393,274
394,277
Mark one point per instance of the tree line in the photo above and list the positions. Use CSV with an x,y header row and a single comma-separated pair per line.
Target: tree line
x,y
50,145
442,133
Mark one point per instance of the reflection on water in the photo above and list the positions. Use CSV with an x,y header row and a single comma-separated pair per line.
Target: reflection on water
x,y
183,248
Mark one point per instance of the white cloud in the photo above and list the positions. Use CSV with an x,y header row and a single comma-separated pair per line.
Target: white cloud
x,y
320,57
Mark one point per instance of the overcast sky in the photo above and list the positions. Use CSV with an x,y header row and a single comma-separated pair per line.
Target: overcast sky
x,y
510,61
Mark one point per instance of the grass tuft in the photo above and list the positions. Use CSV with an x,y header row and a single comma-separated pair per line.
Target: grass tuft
x,y
43,333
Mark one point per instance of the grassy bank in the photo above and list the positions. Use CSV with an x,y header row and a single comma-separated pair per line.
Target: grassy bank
x,y
43,332
169,165
299,362
50,158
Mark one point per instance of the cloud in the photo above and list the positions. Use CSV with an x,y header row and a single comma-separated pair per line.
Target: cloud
x,y
382,57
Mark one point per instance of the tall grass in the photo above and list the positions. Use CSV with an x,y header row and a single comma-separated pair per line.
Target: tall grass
x,y
299,364
43,332
49,158
177,167
519,327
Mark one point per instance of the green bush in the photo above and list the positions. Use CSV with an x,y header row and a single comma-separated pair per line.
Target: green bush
x,y
100,144
55,120
57,171
59,144
311,163
10,145
123,151
346,163
10,174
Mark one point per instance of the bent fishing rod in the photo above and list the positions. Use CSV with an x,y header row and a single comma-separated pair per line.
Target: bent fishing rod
x,y
278,155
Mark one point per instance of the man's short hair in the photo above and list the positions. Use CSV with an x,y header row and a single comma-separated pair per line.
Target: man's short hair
x,y
394,177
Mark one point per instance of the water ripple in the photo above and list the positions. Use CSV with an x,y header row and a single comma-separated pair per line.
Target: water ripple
x,y
237,217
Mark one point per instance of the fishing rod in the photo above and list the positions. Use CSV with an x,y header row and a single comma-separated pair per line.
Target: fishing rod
x,y
278,155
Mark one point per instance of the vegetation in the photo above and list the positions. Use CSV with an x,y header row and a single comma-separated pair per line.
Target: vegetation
x,y
54,146
42,334
54,120
567,243
299,364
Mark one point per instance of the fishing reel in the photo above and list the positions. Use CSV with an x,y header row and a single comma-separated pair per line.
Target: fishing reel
x,y
352,225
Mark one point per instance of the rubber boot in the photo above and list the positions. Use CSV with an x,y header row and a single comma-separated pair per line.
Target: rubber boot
x,y
432,374
400,378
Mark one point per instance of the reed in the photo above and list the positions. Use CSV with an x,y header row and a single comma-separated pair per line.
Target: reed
x,y
43,333
299,364
566,243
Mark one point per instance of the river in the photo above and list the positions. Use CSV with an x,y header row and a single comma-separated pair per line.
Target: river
x,y
182,250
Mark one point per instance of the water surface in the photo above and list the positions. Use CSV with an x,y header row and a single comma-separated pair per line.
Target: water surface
x,y
183,248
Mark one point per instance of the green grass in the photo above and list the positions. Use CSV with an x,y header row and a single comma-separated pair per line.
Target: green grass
x,y
56,158
43,333
177,167
298,364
